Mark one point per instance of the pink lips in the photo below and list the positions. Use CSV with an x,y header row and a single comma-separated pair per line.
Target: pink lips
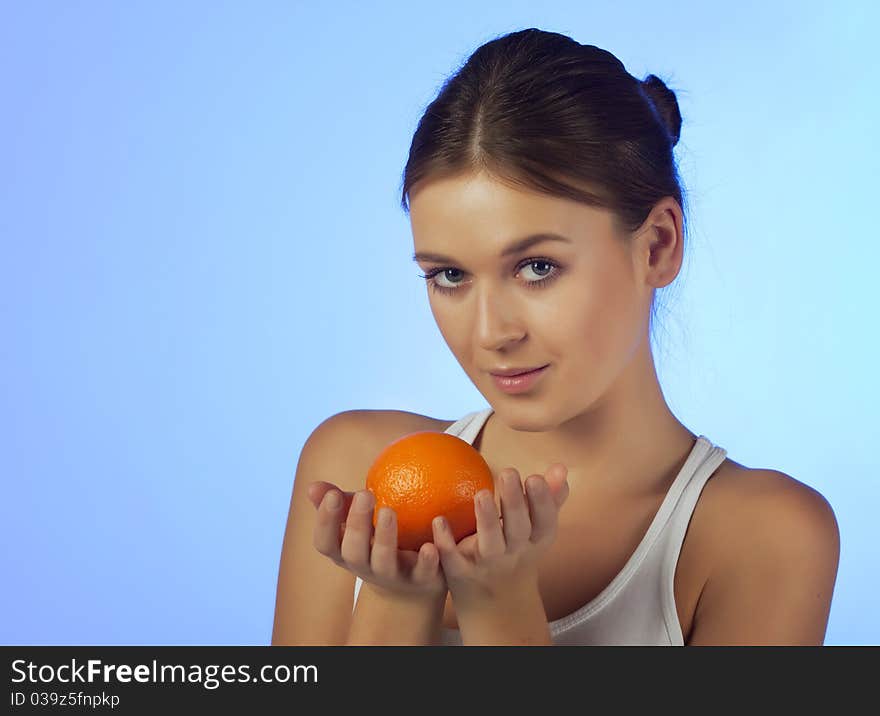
x,y
519,383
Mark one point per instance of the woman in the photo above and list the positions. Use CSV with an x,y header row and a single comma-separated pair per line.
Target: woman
x,y
546,210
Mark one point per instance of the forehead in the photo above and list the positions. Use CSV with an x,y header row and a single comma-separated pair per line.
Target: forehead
x,y
458,211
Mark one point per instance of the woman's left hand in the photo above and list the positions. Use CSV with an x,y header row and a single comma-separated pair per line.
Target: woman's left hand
x,y
505,551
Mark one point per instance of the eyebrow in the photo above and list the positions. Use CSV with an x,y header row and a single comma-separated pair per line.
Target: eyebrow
x,y
514,248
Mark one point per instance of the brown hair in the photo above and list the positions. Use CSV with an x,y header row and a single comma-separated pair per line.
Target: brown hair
x,y
539,110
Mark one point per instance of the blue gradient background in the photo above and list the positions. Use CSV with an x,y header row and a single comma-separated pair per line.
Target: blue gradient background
x,y
202,240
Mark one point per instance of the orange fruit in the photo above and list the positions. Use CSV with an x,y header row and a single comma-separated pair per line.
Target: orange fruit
x,y
426,474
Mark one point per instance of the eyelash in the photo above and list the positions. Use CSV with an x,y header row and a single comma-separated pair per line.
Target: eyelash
x,y
530,284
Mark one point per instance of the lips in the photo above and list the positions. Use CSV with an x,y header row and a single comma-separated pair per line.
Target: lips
x,y
522,383
516,371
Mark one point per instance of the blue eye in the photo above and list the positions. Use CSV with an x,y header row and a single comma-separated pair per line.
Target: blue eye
x,y
432,283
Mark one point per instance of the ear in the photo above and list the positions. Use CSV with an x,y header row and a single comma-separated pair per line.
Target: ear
x,y
659,248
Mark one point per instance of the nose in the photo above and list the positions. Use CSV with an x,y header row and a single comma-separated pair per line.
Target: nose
x,y
499,321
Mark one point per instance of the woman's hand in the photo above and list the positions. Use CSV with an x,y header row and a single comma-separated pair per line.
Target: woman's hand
x,y
505,551
344,533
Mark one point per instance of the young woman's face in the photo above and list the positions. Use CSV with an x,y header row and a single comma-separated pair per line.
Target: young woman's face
x,y
576,305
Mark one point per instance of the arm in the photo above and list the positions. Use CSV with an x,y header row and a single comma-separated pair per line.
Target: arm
x,y
313,603
385,619
774,583
314,596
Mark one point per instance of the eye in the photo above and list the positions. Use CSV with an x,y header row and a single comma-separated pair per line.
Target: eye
x,y
547,271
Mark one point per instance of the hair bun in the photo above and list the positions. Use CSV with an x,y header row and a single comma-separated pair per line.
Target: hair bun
x,y
665,102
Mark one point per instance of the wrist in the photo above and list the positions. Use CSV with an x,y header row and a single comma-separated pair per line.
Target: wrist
x,y
384,617
524,587
516,617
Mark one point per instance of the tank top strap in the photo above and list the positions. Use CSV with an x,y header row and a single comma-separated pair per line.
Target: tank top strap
x,y
674,533
468,426
682,508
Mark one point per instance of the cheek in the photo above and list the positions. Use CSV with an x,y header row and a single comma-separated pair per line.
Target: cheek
x,y
449,324
603,325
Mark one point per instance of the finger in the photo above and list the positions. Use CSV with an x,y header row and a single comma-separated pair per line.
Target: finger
x,y
383,558
319,488
516,522
557,479
543,510
358,530
561,495
326,535
490,536
316,492
468,547
428,564
453,562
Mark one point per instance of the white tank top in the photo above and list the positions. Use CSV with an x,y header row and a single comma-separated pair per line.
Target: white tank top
x,y
638,606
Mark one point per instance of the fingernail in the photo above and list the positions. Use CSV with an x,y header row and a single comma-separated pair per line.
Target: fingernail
x,y
485,499
334,500
440,523
362,500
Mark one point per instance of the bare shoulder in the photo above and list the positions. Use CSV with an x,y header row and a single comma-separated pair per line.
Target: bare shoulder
x,y
398,419
744,505
748,496
775,548
349,441
369,431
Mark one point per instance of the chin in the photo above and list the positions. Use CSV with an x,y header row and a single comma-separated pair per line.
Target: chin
x,y
525,418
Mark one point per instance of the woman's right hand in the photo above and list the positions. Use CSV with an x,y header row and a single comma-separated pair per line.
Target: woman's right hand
x,y
344,532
